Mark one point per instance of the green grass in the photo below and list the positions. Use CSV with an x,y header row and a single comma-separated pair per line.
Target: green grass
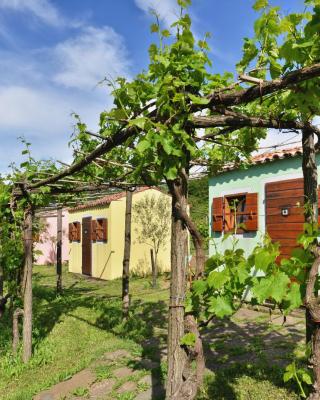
x,y
74,330
246,382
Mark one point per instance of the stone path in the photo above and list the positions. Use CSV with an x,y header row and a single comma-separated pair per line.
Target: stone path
x,y
249,336
111,377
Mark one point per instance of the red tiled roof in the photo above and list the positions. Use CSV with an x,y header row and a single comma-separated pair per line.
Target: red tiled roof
x,y
108,199
276,155
269,156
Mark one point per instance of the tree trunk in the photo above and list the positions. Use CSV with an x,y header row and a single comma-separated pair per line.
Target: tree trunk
x,y
154,268
59,250
15,330
126,256
310,175
176,354
27,295
183,380
310,178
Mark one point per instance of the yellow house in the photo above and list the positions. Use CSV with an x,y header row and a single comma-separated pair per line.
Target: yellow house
x,y
96,237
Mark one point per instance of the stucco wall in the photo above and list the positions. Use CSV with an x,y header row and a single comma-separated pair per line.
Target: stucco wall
x,y
107,257
48,239
250,180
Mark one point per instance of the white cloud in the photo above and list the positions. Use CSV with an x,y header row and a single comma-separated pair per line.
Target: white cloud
x,y
168,10
86,59
40,88
42,9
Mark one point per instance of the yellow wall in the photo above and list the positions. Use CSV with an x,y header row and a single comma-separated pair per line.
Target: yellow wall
x,y
107,257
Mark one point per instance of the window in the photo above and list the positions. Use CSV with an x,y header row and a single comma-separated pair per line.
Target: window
x,y
238,212
234,213
100,230
74,231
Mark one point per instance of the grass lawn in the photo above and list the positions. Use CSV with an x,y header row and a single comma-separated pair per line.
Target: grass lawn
x,y
73,330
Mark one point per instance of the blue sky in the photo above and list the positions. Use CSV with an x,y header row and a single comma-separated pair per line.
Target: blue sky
x,y
53,53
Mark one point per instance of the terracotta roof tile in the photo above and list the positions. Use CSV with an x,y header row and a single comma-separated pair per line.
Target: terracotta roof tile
x,y
108,199
270,156
276,155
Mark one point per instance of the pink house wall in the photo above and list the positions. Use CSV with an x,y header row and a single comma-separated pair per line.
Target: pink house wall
x,y
48,238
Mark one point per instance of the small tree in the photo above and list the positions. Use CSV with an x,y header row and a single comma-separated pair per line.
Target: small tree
x,y
152,216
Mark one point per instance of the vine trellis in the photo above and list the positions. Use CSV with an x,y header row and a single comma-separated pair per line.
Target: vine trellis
x,y
152,135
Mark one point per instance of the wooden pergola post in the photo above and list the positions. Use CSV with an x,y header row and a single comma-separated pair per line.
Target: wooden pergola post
x,y
27,285
126,256
59,250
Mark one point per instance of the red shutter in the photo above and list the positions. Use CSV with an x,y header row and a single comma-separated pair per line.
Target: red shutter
x,y
77,231
93,230
217,214
70,233
104,229
251,210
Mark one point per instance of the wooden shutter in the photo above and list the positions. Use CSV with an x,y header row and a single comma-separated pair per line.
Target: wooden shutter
x,y
77,231
93,230
70,233
217,214
251,210
102,229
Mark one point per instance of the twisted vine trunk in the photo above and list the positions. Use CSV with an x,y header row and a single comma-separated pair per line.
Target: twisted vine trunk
x,y
126,256
27,286
310,175
15,330
183,381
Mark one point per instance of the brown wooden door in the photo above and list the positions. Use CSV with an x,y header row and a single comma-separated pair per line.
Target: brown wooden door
x,y
282,196
86,246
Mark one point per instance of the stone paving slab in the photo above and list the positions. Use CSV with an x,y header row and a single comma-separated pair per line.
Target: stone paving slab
x,y
128,386
123,372
82,379
102,388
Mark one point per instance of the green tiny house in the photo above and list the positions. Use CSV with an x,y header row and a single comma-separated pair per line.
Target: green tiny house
x,y
267,197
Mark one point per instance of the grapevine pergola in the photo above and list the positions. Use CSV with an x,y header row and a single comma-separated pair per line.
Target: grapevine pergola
x,y
159,126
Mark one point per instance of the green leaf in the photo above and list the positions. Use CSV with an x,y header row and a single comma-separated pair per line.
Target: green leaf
x,y
259,4
171,172
280,287
139,122
199,287
263,259
198,100
243,271
154,28
274,286
306,378
143,145
25,152
184,3
217,279
221,306
302,45
165,33
287,376
189,339
294,299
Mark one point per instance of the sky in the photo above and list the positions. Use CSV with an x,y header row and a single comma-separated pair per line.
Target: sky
x,y
55,53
